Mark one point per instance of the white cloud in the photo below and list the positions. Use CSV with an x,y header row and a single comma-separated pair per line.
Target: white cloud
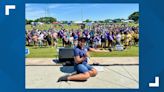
x,y
27,5
33,14
52,6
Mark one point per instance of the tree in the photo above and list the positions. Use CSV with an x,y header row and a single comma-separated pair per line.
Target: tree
x,y
87,20
134,16
46,19
65,22
95,21
29,21
107,20
117,20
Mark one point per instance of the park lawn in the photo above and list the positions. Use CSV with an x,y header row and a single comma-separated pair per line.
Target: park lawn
x,y
48,26
52,53
130,52
74,26
42,52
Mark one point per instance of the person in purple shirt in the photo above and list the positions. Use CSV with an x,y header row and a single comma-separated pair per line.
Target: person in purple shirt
x,y
83,69
110,39
103,40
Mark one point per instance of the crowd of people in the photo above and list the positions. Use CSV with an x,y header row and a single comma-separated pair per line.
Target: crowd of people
x,y
97,36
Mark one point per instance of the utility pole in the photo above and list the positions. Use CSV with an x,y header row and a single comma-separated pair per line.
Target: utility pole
x,y
81,15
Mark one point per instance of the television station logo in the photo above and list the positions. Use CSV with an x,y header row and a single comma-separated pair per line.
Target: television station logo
x,y
7,8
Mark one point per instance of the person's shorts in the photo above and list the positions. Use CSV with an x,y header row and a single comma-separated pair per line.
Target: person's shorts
x,y
103,40
82,68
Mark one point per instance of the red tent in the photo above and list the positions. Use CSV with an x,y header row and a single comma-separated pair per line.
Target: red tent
x,y
55,23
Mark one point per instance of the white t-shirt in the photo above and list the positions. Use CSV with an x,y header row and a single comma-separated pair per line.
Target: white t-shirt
x,y
118,37
41,37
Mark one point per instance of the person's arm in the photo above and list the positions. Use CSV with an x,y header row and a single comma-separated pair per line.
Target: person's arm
x,y
87,54
78,59
95,50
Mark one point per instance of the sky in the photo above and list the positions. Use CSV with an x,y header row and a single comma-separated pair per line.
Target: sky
x,y
79,12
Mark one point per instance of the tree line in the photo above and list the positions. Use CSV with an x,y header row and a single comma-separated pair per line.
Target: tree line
x,y
134,16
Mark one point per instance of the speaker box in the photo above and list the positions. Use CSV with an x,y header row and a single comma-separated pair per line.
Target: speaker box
x,y
66,54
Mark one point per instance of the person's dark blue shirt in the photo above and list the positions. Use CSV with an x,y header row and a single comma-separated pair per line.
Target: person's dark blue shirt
x,y
81,52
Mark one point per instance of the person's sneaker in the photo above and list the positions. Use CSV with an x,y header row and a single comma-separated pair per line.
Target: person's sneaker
x,y
63,78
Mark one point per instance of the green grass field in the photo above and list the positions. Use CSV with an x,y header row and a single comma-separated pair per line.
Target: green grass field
x,y
52,53
48,26
74,26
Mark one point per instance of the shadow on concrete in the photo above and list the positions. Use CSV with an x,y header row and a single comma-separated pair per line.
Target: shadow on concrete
x,y
67,69
70,69
56,61
79,81
73,73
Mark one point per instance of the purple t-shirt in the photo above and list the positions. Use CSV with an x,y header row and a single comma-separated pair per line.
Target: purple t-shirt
x,y
81,52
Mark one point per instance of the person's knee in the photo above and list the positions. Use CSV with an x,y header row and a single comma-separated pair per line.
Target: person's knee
x,y
87,75
94,72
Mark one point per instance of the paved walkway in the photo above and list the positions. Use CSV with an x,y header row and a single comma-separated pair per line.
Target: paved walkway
x,y
101,60
43,73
